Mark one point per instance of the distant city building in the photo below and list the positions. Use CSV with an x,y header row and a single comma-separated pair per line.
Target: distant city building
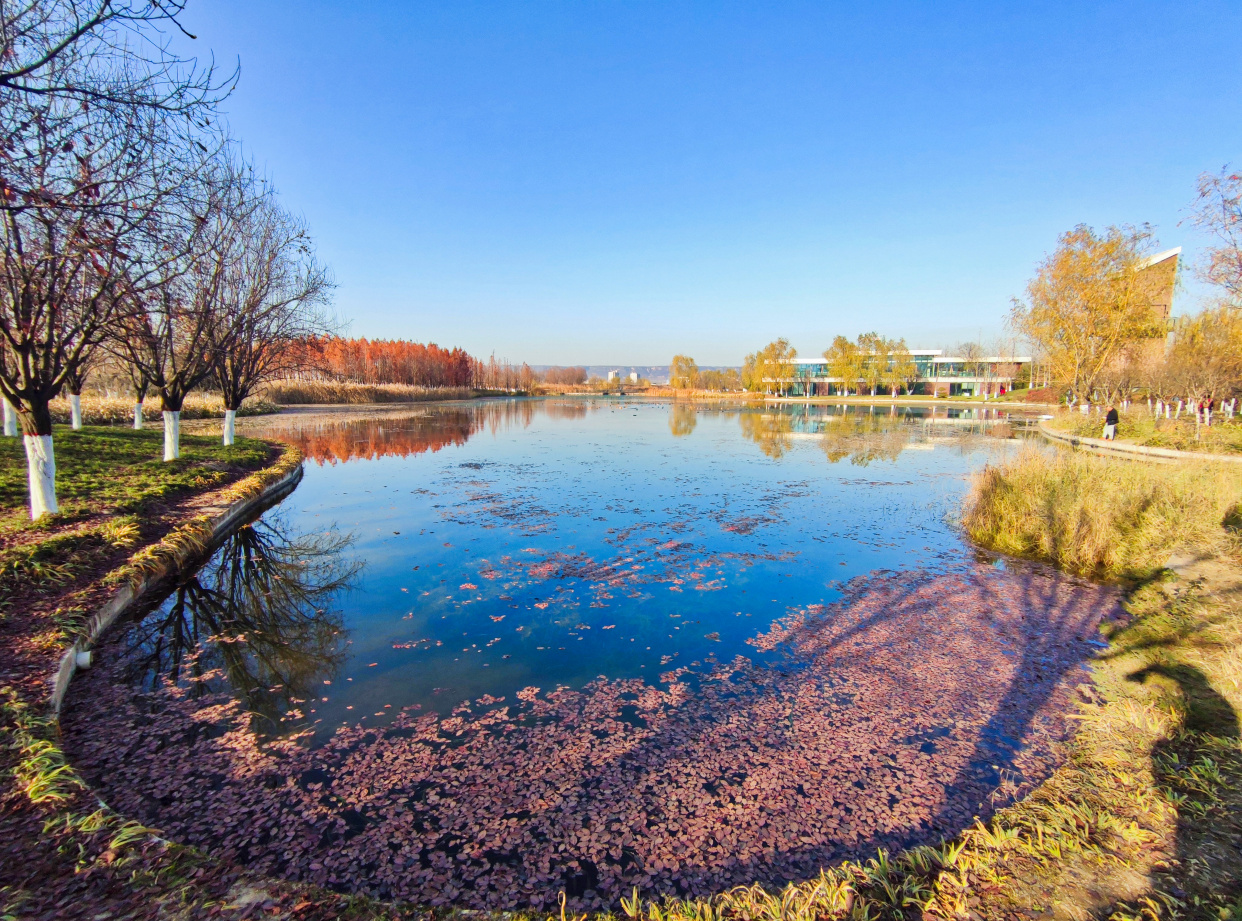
x,y
612,376
938,374
633,377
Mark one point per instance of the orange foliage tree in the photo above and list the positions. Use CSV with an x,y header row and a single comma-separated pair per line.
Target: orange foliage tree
x,y
387,361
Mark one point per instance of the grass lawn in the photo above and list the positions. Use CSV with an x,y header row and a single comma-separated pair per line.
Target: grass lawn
x,y
120,470
115,493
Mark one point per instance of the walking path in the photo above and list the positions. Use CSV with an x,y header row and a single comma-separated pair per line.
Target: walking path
x,y
1134,452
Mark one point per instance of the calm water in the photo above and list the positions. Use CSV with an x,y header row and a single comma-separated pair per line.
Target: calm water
x,y
474,549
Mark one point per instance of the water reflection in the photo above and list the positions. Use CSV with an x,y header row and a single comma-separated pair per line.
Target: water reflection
x,y
682,418
866,434
862,434
326,439
259,618
863,438
771,431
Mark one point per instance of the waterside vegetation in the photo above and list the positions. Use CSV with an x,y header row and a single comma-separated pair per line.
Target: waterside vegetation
x,y
1180,432
1137,823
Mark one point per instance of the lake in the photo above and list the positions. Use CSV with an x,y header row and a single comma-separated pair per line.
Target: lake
x,y
488,651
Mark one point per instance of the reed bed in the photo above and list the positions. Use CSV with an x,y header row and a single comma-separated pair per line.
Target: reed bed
x,y
1102,518
105,410
289,392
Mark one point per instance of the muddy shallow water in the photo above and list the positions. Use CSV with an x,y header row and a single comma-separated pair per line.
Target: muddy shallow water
x,y
487,652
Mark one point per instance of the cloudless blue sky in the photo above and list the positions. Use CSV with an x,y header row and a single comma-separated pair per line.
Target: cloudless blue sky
x,y
588,182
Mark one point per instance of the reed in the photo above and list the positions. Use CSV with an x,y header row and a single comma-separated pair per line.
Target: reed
x,y
289,392
1100,517
105,410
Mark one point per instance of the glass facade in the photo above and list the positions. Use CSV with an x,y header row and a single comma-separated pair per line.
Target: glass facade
x,y
945,374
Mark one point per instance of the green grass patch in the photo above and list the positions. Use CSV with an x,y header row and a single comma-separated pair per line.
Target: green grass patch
x,y
110,472
121,469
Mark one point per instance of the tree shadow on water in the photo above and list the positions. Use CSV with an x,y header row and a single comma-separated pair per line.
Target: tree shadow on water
x,y
903,709
1071,610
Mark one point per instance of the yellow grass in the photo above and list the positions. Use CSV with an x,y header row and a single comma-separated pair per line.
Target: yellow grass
x,y
103,410
1098,517
286,393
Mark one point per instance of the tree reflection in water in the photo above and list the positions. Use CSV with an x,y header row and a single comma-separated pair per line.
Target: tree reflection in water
x,y
259,620
682,418
865,435
863,438
771,431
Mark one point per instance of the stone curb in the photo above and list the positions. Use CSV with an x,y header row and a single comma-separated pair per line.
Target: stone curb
x,y
1134,452
132,596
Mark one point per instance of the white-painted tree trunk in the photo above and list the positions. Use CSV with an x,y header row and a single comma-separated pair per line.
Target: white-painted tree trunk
x,y
137,415
230,415
10,420
75,411
172,435
41,471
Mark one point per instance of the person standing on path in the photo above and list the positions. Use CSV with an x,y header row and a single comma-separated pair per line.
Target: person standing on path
x,y
1110,424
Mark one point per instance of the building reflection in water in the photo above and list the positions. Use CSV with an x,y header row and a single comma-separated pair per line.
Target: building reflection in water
x,y
858,433
258,620
865,434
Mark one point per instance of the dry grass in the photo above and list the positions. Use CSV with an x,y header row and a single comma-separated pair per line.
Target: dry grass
x,y
102,410
1138,427
286,393
1098,517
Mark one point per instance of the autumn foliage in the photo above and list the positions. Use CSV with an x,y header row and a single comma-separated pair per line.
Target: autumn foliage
x,y
388,361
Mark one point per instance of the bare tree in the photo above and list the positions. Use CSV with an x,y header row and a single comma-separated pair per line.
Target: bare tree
x,y
94,113
82,186
1218,210
170,334
104,51
271,298
141,384
75,380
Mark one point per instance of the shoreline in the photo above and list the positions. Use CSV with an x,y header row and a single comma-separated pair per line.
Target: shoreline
x,y
1042,855
1126,450
182,549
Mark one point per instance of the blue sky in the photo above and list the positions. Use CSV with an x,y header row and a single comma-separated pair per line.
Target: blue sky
x,y
587,182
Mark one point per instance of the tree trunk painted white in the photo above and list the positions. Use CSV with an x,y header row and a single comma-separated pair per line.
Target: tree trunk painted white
x,y
75,411
230,415
41,471
1179,410
10,420
172,435
137,415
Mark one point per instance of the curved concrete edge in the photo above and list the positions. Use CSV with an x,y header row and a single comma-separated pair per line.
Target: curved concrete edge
x,y
1134,452
134,595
